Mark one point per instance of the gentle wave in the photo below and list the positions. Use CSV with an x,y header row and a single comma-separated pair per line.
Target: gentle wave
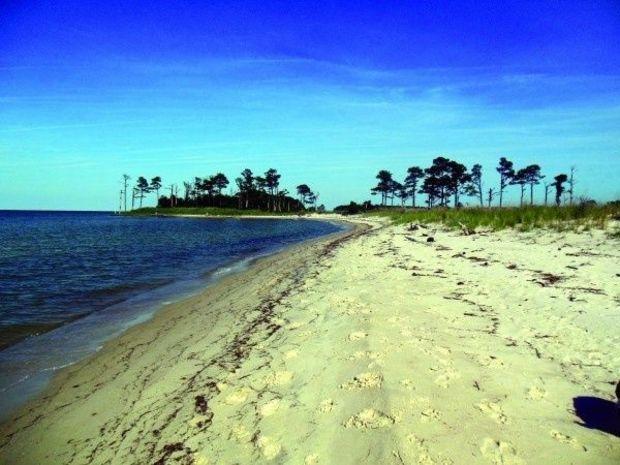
x,y
174,259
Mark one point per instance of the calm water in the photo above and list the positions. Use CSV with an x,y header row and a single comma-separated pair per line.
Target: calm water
x,y
95,274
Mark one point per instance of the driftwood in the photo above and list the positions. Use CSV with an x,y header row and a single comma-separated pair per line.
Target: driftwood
x,y
465,230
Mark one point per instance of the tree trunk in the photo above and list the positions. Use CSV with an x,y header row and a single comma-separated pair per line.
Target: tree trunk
x,y
125,195
571,184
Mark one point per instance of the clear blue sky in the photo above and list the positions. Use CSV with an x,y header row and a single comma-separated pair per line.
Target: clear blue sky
x,y
326,92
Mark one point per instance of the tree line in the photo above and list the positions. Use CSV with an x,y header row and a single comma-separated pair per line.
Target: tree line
x,y
446,181
252,192
138,192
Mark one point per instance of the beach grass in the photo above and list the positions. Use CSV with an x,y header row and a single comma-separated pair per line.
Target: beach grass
x,y
204,211
566,218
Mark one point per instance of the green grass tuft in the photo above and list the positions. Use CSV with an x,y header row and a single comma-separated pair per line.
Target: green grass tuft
x,y
567,218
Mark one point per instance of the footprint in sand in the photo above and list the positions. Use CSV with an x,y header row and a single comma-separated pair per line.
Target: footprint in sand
x,y
349,306
443,350
500,452
269,408
200,421
240,433
365,354
564,439
536,393
489,361
363,381
370,419
421,453
291,354
594,358
269,447
430,414
200,459
364,311
448,375
279,378
238,396
493,410
327,406
407,384
221,386
419,401
357,335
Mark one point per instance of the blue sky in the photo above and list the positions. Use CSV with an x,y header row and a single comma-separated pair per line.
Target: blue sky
x,y
326,92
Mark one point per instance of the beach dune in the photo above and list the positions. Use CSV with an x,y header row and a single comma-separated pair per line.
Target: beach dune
x,y
371,346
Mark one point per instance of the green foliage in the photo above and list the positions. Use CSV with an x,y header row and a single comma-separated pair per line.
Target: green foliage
x,y
205,211
305,194
575,218
253,193
560,179
384,185
354,208
414,175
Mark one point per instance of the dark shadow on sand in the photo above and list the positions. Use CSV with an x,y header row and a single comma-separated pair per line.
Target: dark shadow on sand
x,y
597,413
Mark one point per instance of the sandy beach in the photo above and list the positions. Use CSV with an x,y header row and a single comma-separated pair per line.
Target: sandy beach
x,y
373,346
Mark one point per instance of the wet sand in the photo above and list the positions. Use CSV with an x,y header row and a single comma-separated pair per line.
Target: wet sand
x,y
374,346
13,334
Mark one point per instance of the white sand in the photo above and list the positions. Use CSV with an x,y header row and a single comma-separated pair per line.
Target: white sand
x,y
382,349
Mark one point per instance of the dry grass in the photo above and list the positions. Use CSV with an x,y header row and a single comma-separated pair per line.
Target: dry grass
x,y
568,218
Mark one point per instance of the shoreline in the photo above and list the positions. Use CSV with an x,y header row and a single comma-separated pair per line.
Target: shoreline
x,y
256,266
370,346
17,333
23,385
284,216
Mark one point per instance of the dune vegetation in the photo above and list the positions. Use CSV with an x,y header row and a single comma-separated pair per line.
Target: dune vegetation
x,y
574,218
